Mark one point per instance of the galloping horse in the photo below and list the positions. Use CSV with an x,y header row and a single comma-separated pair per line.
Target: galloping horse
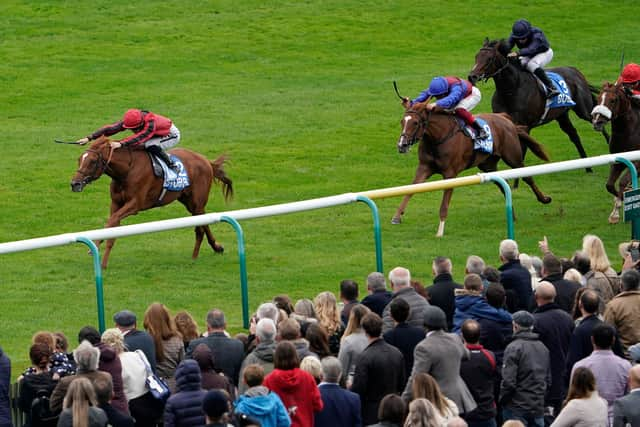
x,y
518,95
446,150
135,188
615,106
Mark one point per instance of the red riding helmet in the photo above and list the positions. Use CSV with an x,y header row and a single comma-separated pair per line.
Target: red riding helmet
x,y
631,73
132,118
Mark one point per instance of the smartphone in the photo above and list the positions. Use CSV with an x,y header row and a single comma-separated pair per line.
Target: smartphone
x,y
635,253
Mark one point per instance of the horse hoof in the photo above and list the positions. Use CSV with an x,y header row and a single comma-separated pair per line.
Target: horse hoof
x,y
545,200
614,220
396,220
218,248
589,170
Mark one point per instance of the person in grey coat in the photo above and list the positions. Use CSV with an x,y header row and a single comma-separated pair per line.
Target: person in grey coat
x,y
526,374
440,355
626,410
400,279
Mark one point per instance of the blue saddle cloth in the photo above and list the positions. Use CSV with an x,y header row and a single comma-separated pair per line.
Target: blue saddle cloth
x,y
484,145
174,181
564,98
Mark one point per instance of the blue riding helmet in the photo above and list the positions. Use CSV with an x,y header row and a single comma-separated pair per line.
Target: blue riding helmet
x,y
521,29
438,86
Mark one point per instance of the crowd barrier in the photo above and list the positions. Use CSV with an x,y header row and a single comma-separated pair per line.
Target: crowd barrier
x,y
232,217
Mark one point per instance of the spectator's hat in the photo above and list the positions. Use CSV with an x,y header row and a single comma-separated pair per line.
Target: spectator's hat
x,y
434,318
215,404
124,318
523,318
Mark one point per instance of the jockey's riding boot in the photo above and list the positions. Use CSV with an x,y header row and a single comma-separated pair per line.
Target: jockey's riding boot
x,y
480,132
551,89
159,152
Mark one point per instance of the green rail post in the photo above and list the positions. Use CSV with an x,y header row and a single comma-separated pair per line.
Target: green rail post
x,y
508,200
635,222
244,289
376,230
98,274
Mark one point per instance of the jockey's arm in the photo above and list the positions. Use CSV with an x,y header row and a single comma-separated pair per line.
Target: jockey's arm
x,y
142,136
424,95
107,130
453,98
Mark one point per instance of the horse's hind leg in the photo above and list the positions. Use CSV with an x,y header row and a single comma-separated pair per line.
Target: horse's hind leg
x,y
217,247
422,173
444,210
568,128
542,198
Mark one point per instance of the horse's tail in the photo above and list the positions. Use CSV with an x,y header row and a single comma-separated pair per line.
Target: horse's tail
x,y
220,176
535,147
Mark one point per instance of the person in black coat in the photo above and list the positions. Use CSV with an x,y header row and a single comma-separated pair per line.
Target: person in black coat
x,y
104,394
379,370
514,277
554,327
134,339
403,336
441,293
565,289
340,407
39,382
379,296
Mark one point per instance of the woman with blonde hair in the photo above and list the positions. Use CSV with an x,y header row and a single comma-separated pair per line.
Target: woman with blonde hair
x,y
583,407
353,342
601,278
168,341
187,327
80,408
425,386
328,315
422,413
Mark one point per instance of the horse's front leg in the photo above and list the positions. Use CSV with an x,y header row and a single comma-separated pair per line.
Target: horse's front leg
x,y
423,172
615,170
444,210
114,221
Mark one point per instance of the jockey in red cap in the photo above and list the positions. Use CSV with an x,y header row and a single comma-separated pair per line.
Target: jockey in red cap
x,y
630,78
151,131
453,94
534,51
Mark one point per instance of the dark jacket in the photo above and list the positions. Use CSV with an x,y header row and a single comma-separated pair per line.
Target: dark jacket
x,y
116,418
184,409
5,380
379,371
525,375
417,306
58,394
209,377
536,43
141,340
565,291
110,362
227,352
377,301
626,410
346,311
30,386
442,294
478,372
341,408
405,338
554,327
516,281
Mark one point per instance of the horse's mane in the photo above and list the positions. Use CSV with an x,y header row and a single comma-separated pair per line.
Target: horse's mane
x,y
500,45
100,141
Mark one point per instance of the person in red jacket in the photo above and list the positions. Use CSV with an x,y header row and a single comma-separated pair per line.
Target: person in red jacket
x,y
296,388
630,78
151,131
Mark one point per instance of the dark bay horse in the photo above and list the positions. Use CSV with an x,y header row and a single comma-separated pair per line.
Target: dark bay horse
x,y
446,150
135,188
615,106
517,92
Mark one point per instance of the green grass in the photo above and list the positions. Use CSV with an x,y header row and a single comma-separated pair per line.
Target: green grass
x,y
299,95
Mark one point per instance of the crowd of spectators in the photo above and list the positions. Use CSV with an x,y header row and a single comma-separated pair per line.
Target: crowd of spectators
x,y
537,340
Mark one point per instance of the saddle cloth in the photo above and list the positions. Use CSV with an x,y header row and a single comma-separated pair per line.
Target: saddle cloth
x,y
484,145
172,181
561,100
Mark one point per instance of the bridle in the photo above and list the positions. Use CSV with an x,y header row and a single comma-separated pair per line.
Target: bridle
x,y
493,59
101,165
423,124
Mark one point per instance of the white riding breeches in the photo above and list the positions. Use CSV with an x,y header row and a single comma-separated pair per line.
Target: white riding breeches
x,y
167,141
538,61
470,101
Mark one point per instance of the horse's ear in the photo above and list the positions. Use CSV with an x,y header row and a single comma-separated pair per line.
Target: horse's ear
x,y
485,43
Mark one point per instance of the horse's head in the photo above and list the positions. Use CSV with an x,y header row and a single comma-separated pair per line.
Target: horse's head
x,y
91,164
414,123
490,59
612,102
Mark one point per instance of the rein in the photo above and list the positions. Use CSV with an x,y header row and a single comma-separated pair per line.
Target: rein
x,y
424,123
102,165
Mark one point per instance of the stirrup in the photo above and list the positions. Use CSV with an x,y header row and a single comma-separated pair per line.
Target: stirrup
x,y
552,93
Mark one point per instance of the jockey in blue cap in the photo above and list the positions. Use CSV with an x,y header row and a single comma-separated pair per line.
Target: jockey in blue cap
x,y
534,51
452,94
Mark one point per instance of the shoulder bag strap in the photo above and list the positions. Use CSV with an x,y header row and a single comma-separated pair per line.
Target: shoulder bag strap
x,y
142,357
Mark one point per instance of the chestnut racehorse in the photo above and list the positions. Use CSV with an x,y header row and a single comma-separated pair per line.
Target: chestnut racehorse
x,y
135,188
445,149
615,106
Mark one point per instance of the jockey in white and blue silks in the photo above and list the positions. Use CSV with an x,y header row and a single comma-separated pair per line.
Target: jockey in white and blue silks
x,y
453,94
534,51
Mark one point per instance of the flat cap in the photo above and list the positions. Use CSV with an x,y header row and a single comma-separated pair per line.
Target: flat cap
x,y
523,318
124,318
434,318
